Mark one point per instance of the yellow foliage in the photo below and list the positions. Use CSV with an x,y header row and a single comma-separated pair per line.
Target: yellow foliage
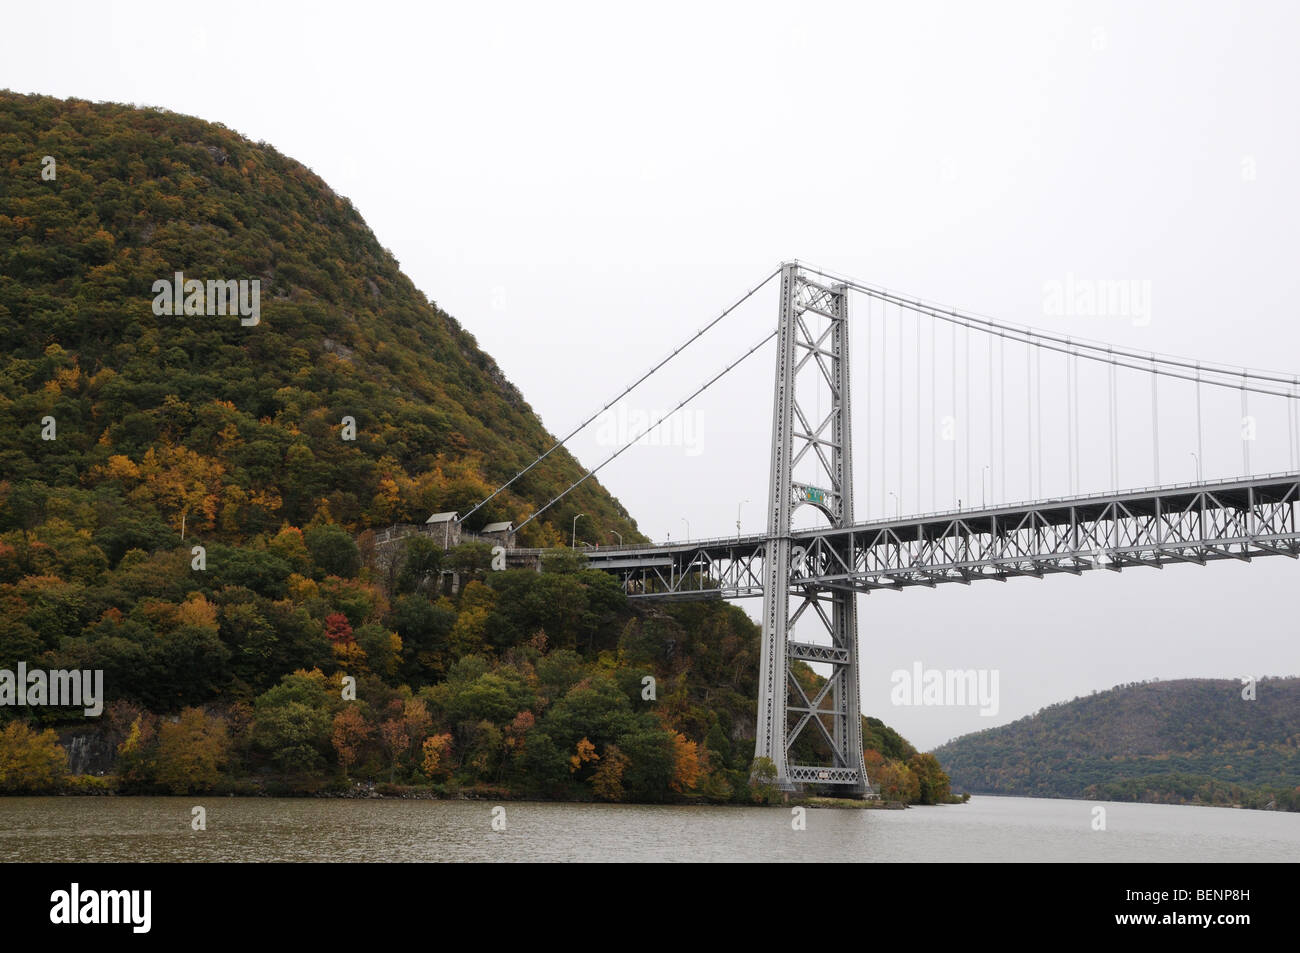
x,y
196,610
586,752
686,763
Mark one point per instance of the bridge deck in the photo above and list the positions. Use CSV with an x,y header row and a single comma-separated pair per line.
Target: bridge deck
x,y
1231,519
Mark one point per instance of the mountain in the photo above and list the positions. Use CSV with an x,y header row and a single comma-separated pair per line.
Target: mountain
x,y
237,427
1183,741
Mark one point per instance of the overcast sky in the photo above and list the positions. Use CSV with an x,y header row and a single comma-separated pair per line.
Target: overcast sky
x,y
584,187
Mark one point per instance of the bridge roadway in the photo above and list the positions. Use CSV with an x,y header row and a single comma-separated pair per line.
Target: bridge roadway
x,y
1196,522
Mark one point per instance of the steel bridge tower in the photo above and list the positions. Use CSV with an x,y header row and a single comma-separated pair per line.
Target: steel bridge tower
x,y
812,340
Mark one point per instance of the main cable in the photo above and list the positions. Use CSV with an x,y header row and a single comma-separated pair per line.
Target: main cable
x,y
559,443
646,432
992,326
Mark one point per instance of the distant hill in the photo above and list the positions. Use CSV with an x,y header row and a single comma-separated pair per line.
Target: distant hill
x,y
1183,741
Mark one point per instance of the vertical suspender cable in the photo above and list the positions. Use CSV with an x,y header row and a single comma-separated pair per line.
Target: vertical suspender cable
x,y
1002,413
1029,425
884,408
900,408
1247,428
968,419
916,324
1038,404
1078,464
1069,424
952,357
992,475
871,461
884,411
934,419
1200,440
1110,425
1155,421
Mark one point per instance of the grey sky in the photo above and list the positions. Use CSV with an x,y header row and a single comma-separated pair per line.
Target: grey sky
x,y
585,187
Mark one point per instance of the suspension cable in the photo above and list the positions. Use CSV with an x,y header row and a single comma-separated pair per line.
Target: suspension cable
x,y
1029,425
1082,344
992,409
1200,440
866,494
952,354
634,386
899,495
1002,413
968,419
1038,412
1247,430
1155,423
916,336
713,380
934,418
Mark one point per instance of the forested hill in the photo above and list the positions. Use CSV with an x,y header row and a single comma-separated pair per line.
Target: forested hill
x,y
238,428
1183,741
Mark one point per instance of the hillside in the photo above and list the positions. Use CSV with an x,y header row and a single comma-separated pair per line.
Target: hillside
x,y
1183,741
237,428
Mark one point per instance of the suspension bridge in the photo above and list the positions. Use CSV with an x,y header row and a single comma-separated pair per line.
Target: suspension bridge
x,y
1012,395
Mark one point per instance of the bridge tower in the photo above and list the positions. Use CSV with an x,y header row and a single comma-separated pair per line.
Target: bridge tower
x,y
812,341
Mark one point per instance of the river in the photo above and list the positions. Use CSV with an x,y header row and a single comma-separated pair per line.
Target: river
x,y
274,829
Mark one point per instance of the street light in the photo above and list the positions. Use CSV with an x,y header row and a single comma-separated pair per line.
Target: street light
x,y
574,544
1198,465
738,506
898,505
614,532
984,493
688,528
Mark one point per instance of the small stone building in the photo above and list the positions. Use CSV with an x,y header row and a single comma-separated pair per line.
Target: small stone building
x,y
500,533
444,528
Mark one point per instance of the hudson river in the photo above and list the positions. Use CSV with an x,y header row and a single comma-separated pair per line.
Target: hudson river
x,y
988,828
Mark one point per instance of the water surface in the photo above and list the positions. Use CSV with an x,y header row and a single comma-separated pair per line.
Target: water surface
x,y
278,829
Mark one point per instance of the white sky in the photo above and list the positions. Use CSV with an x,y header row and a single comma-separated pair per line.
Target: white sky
x,y
583,187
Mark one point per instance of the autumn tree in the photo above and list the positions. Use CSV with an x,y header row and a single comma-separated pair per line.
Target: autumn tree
x,y
30,761
191,752
350,732
607,780
584,752
686,763
436,760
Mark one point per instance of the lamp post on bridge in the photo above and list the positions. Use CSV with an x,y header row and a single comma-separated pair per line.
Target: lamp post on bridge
x,y
738,506
1198,465
688,528
574,543
984,493
898,505
614,532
